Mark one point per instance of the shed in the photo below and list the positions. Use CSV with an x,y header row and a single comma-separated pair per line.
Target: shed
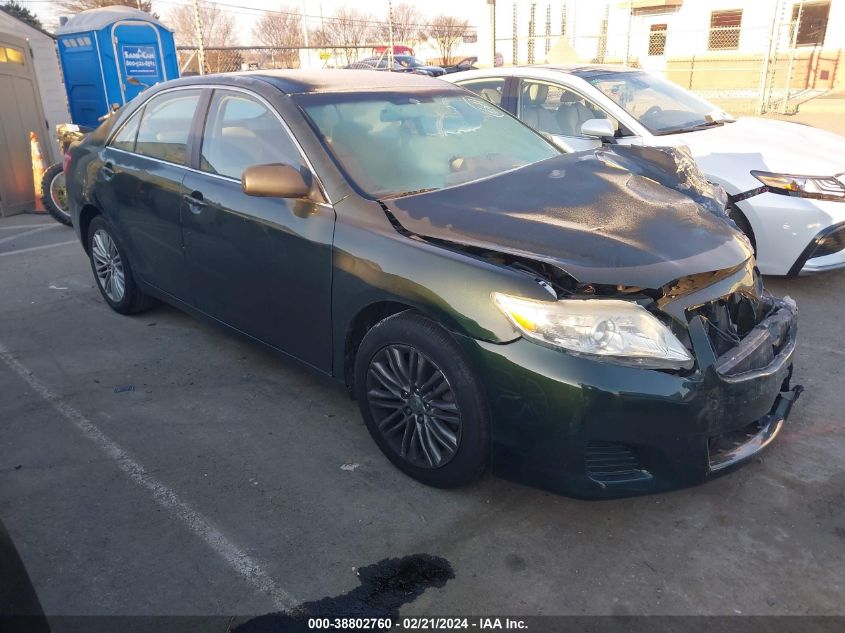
x,y
32,99
111,54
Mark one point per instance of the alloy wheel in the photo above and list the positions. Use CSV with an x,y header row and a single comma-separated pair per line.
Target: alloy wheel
x,y
58,192
414,406
108,265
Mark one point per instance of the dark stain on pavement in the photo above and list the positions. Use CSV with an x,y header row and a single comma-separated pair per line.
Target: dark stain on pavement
x,y
385,587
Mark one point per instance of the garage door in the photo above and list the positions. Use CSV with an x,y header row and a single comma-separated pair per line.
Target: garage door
x,y
20,113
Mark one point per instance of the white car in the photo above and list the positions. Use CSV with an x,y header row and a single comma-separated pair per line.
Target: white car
x,y
785,181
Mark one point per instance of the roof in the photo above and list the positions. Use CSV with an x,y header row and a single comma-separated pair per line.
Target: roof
x,y
583,70
96,19
344,80
588,69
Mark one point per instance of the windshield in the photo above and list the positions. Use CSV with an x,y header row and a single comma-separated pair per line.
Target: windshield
x,y
390,144
409,62
660,105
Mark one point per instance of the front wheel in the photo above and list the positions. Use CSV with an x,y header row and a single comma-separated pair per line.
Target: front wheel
x,y
421,401
54,193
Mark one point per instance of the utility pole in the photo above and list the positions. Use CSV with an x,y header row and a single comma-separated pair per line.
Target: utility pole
x,y
795,26
305,23
390,35
200,43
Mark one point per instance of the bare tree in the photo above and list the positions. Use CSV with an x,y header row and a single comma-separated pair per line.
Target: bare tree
x,y
407,26
447,31
281,29
75,6
346,27
218,30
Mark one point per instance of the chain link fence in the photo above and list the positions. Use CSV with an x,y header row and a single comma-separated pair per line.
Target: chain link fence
x,y
237,58
746,69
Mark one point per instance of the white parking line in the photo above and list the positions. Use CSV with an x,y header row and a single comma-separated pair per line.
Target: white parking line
x,y
29,232
37,248
241,562
18,227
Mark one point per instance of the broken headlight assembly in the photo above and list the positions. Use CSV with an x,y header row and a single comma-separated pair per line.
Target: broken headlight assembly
x,y
819,187
608,329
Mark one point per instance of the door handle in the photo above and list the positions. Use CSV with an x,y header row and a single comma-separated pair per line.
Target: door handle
x,y
195,201
108,171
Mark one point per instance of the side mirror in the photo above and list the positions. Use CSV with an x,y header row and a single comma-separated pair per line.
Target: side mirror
x,y
569,144
274,181
598,128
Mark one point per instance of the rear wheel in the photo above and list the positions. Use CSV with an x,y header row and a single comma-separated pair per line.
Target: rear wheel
x,y
112,271
54,193
421,401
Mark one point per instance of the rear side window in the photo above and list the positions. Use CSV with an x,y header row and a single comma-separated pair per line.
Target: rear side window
x,y
166,125
489,88
241,131
125,139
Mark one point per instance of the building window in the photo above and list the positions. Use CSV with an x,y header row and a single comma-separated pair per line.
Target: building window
x,y
813,25
11,55
657,39
724,29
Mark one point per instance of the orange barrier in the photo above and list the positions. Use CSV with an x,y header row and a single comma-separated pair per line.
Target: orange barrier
x,y
38,168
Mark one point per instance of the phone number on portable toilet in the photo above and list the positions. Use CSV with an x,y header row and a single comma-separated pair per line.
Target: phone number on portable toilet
x,y
140,60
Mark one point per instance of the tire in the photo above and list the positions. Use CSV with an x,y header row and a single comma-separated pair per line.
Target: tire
x,y
112,271
434,429
742,222
54,194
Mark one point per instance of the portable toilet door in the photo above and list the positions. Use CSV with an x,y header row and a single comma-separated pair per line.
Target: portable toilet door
x,y
139,55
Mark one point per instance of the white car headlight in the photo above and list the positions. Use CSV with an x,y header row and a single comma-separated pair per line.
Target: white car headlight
x,y
612,329
824,187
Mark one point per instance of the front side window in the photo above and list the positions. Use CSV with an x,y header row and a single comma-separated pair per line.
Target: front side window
x,y
554,109
395,143
240,131
166,125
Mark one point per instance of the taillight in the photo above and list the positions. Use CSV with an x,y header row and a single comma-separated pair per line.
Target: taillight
x,y
66,163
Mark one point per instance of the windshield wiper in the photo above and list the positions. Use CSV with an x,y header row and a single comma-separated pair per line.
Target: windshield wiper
x,y
402,194
691,128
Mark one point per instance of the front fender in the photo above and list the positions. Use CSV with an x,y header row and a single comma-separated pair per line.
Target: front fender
x,y
374,263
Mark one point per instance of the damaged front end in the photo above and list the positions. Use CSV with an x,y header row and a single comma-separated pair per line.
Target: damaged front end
x,y
611,228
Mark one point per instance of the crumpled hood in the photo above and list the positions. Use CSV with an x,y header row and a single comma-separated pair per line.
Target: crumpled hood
x,y
598,222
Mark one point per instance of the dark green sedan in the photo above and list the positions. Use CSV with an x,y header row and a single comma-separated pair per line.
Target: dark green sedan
x,y
565,320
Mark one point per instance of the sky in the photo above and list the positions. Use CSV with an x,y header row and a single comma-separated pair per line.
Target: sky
x,y
247,11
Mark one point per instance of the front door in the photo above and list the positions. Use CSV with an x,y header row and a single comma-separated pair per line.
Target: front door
x,y
261,265
140,186
139,58
20,114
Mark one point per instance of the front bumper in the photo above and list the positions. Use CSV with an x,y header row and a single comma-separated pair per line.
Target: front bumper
x,y
787,230
593,429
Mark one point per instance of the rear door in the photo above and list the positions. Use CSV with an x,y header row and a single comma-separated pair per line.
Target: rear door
x,y
261,265
139,186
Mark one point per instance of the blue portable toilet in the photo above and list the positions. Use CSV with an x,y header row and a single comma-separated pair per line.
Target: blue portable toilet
x,y
101,49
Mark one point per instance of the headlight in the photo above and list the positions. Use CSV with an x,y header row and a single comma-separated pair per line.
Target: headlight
x,y
824,187
619,331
